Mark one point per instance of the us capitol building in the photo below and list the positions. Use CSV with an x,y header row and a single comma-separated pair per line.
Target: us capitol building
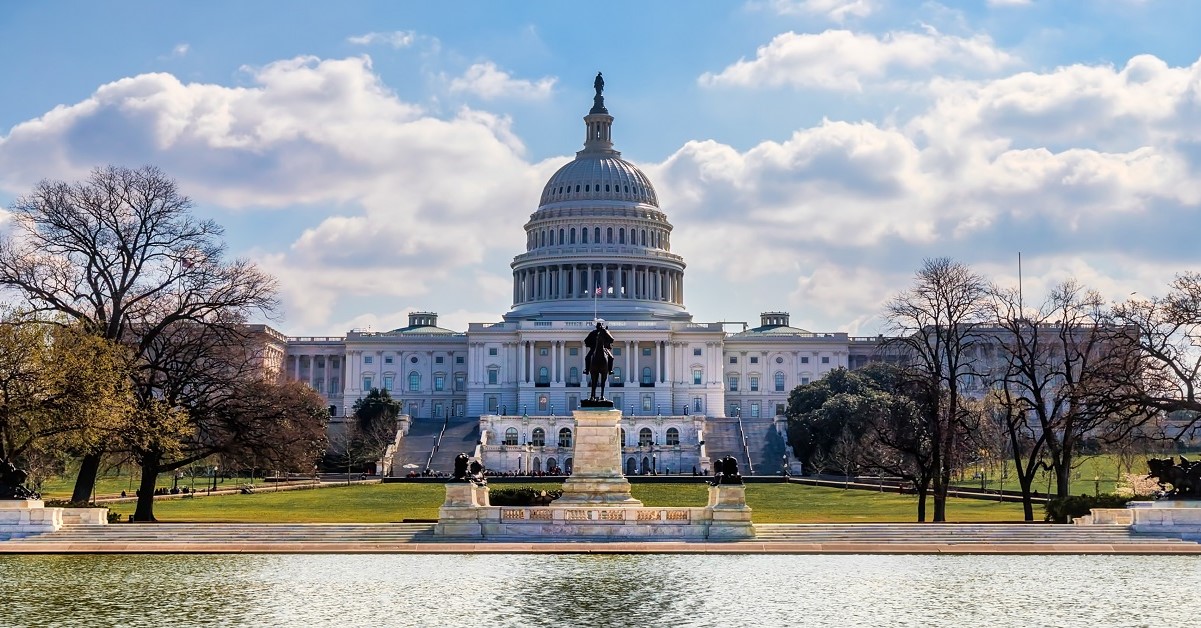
x,y
597,246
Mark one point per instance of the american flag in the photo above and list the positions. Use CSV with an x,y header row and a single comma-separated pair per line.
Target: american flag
x,y
598,291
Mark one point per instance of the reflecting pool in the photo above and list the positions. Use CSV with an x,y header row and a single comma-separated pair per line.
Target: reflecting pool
x,y
582,590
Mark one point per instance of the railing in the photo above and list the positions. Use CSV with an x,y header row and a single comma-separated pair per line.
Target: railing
x,y
437,443
746,450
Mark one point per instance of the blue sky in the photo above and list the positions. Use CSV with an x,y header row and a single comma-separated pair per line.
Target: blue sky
x,y
380,157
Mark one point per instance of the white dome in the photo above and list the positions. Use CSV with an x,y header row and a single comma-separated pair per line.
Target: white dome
x,y
599,177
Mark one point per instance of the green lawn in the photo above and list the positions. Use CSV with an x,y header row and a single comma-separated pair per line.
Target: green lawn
x,y
381,503
1099,473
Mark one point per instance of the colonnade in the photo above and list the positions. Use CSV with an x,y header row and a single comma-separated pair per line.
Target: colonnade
x,y
615,281
327,371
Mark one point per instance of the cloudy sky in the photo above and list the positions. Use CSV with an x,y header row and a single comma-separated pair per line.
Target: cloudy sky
x,y
381,157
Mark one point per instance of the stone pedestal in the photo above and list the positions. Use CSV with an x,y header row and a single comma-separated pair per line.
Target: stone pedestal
x,y
22,517
596,477
730,517
459,514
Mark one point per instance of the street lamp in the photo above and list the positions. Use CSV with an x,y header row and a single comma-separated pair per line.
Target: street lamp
x,y
1096,486
214,478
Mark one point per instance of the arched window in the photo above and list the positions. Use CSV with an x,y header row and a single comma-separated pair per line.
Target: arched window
x,y
779,382
645,438
511,436
552,237
596,235
609,236
584,235
734,383
577,189
672,438
414,381
551,463
631,466
560,237
565,437
538,437
623,437
573,375
644,237
543,375
647,378
572,235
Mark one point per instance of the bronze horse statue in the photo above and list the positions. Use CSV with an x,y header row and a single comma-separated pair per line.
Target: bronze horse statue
x,y
599,361
1185,478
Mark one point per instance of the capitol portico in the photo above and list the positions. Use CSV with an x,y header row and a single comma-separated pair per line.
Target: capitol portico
x,y
597,246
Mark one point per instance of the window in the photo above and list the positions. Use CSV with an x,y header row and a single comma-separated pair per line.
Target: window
x,y
573,375
387,359
734,383
438,359
510,436
584,234
646,351
754,381
565,437
460,381
366,382
616,374
538,437
779,409
616,351
413,360
623,437
673,437
333,384
647,378
804,359
697,374
458,359
645,438
388,382
543,375
696,351
572,236
698,404
647,402
754,409
439,383
492,405
616,401
779,382
491,350
733,359
414,381
754,360
576,351
779,360
596,235
825,359
544,351
493,376
804,381
621,236
368,359
609,235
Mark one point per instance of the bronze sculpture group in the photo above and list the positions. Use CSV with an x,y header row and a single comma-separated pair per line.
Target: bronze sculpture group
x,y
467,470
1185,477
598,363
725,471
12,482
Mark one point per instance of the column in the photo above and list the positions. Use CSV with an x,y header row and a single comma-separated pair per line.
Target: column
x,y
521,363
656,360
554,361
325,382
631,347
617,283
670,355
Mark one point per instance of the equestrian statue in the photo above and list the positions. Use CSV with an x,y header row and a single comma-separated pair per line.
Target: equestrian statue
x,y
598,363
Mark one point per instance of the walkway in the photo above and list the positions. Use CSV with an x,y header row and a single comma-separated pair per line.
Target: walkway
x,y
411,538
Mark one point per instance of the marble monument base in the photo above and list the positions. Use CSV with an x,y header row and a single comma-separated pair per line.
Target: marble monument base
x,y
1175,517
24,517
596,478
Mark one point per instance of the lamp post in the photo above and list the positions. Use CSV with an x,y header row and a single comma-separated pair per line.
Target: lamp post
x,y
214,478
1096,486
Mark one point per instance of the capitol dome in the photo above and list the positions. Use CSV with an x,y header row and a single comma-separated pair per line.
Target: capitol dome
x,y
598,244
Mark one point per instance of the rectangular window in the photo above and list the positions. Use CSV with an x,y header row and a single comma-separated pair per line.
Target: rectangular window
x,y
458,359
779,409
754,384
754,409
576,351
493,376
544,351
697,374
460,382
696,351
616,350
779,382
388,382
492,405
646,351
368,359
804,380
804,359
491,350
333,384
698,404
825,359
414,382
366,382
439,359
733,359
734,383
647,402
616,401
754,360
439,382
387,359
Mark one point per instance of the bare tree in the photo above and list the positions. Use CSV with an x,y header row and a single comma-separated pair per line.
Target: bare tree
x,y
934,324
122,254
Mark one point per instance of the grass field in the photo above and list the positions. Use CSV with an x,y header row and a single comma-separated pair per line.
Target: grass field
x,y
381,503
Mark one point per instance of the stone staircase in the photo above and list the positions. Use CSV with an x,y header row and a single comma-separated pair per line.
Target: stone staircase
x,y
834,537
766,446
460,437
416,446
723,438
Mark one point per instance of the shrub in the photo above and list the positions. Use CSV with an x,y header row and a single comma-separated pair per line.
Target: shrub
x,y
522,496
1060,508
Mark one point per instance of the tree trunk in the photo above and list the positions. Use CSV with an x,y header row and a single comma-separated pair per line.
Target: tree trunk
x,y
923,489
1027,498
145,508
85,482
1063,480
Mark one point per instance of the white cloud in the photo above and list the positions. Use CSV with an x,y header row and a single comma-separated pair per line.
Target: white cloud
x,y
834,10
490,83
180,50
395,39
1009,3
844,60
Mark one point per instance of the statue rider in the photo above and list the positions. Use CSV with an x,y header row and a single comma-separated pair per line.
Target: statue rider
x,y
599,338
